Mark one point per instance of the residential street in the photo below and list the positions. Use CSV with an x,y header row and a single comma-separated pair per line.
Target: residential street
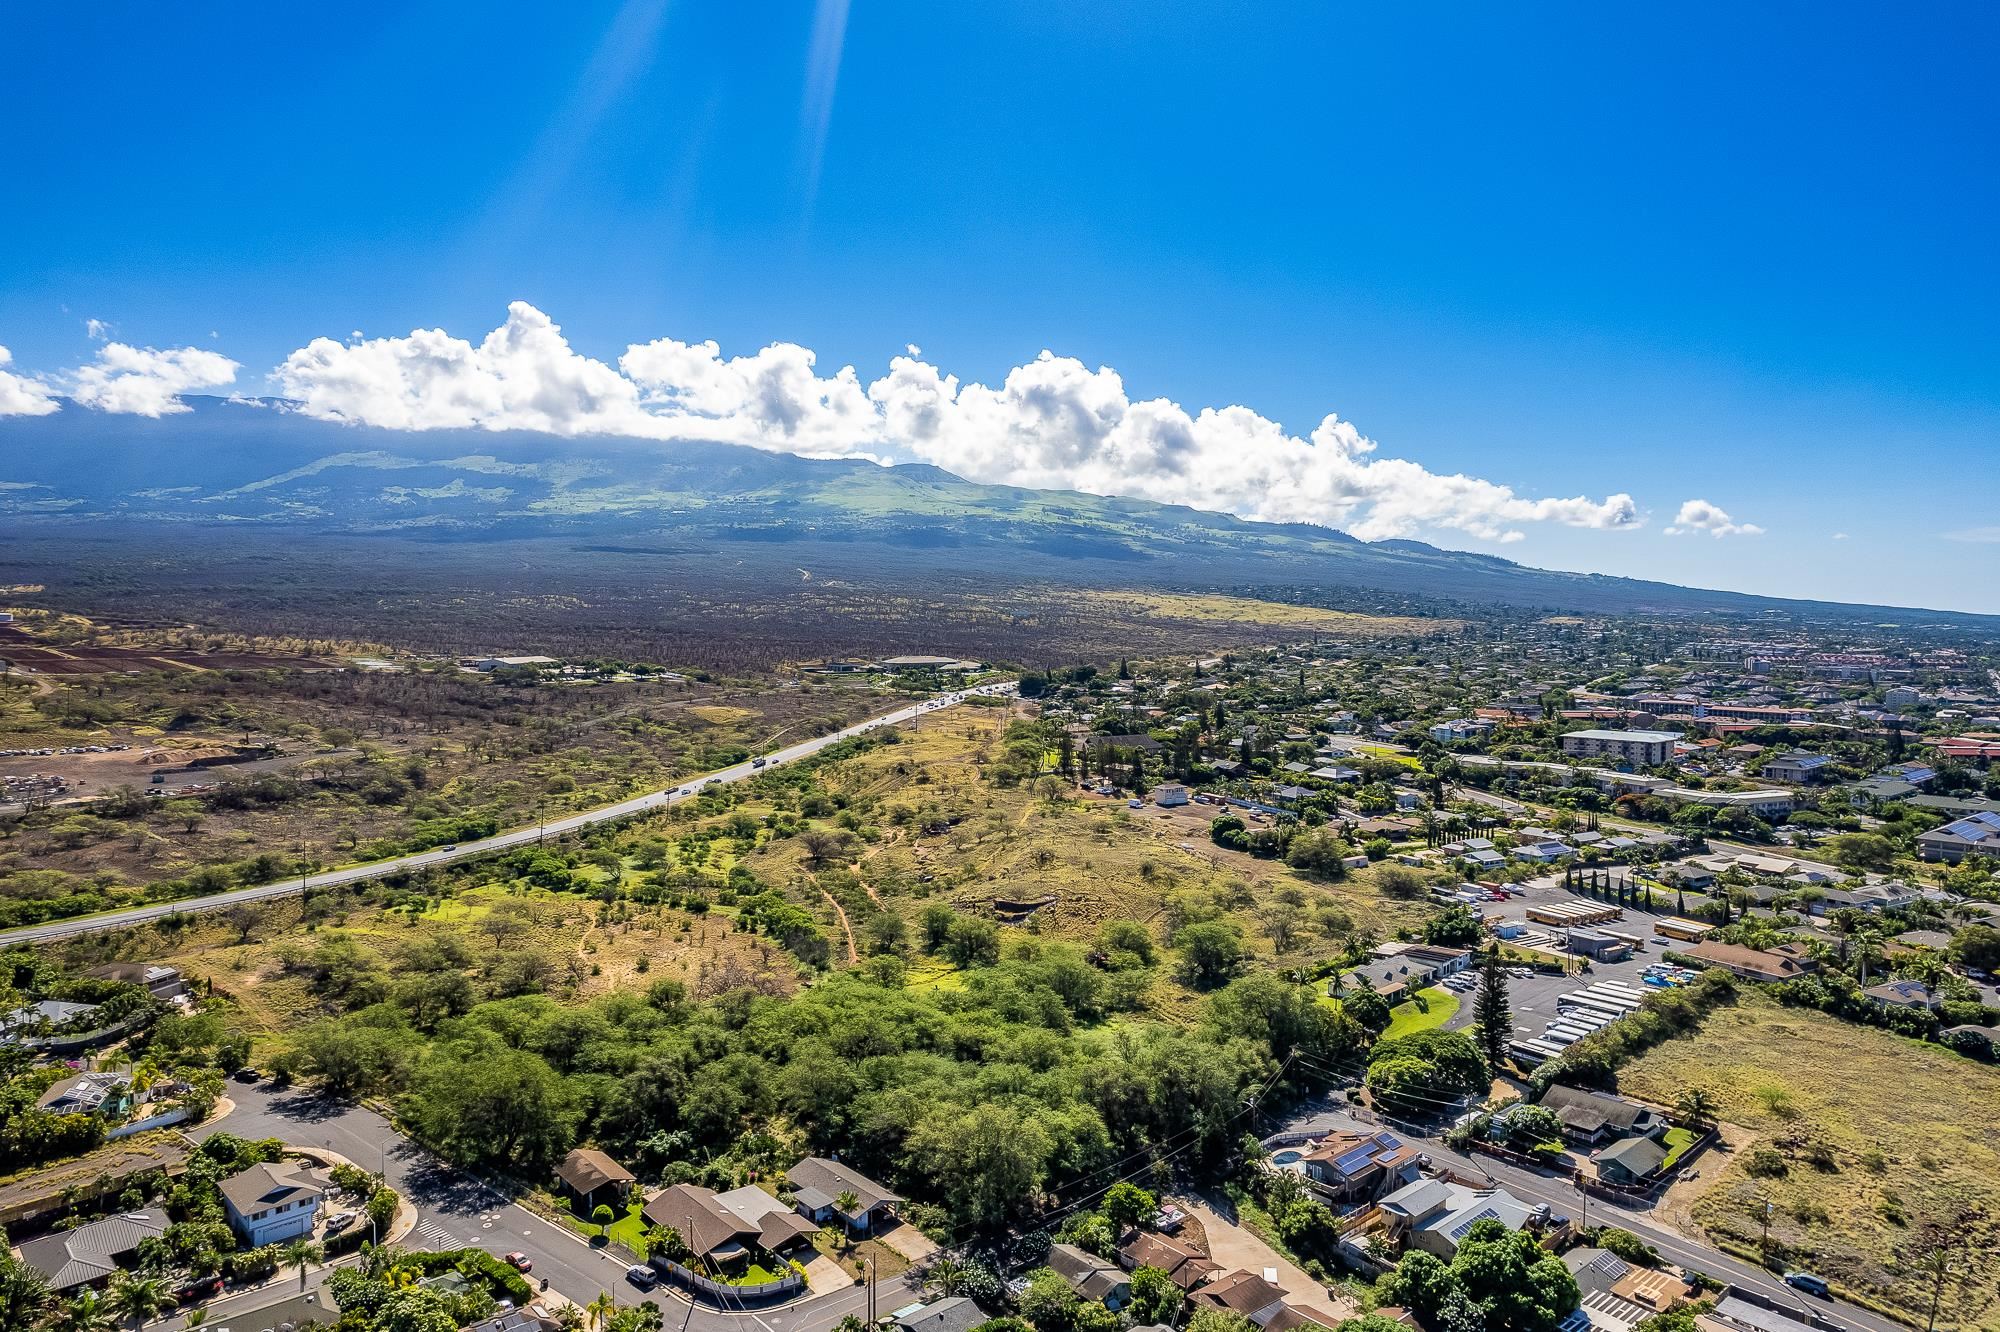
x,y
1565,1200
61,929
457,1210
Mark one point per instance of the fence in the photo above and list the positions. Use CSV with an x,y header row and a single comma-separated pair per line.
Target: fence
x,y
721,1293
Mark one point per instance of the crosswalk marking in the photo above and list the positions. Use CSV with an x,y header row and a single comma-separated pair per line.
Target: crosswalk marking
x,y
431,1230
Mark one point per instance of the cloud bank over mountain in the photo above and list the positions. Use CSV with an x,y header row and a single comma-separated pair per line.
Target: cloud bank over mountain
x,y
1052,423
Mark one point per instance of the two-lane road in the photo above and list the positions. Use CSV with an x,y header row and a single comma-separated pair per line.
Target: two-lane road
x,y
1564,1199
456,1209
486,846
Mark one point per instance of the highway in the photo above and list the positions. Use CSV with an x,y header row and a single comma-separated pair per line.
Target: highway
x,y
486,846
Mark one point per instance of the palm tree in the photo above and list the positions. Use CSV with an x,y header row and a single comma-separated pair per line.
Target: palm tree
x,y
1867,945
598,1312
25,1295
301,1253
947,1273
847,1204
85,1311
1697,1107
138,1299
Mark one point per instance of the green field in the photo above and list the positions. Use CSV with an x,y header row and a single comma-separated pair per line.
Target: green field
x,y
1437,1008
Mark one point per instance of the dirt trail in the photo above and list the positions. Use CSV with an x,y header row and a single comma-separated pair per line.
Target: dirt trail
x,y
853,953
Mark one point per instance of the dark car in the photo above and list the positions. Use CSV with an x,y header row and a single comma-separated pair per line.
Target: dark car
x,y
247,1075
642,1276
1810,1284
199,1290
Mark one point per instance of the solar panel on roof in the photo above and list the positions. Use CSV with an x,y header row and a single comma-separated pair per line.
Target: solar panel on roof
x,y
1353,1159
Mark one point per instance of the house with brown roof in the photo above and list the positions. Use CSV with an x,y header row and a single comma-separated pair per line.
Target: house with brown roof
x,y
1185,1265
1244,1293
590,1177
725,1227
1757,964
1355,1167
1261,1302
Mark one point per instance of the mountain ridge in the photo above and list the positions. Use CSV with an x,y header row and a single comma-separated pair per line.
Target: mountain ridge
x,y
239,463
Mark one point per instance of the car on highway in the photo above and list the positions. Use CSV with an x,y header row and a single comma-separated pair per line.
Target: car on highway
x,y
520,1262
642,1276
1810,1284
451,847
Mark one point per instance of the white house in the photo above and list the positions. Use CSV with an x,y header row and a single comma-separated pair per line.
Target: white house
x,y
272,1202
1169,794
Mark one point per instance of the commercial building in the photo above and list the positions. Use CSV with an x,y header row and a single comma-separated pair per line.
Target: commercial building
x,y
1640,749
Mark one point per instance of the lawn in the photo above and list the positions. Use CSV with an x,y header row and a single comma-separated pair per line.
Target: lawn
x,y
1677,1141
1861,1138
1430,1008
629,1229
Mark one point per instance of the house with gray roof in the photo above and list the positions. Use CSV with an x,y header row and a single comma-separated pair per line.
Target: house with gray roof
x,y
955,1314
1593,1117
272,1202
818,1182
90,1254
1434,1214
106,1092
1631,1162
293,1313
1091,1277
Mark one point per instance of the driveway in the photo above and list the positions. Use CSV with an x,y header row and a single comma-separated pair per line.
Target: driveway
x,y
1236,1246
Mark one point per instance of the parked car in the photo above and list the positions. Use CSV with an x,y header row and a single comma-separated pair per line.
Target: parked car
x,y
247,1075
340,1221
520,1262
1810,1284
642,1276
199,1290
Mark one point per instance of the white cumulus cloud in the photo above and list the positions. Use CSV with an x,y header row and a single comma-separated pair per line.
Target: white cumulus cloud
x,y
21,395
1698,515
145,381
1052,423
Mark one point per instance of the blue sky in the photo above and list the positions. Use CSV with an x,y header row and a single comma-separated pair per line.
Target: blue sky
x,y
1737,254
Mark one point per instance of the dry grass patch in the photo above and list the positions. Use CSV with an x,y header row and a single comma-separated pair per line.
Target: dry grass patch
x,y
1861,1137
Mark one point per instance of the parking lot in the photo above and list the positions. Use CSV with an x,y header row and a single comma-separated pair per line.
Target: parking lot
x,y
1533,997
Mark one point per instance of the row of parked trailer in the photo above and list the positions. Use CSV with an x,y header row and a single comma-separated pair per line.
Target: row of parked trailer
x,y
1578,1014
